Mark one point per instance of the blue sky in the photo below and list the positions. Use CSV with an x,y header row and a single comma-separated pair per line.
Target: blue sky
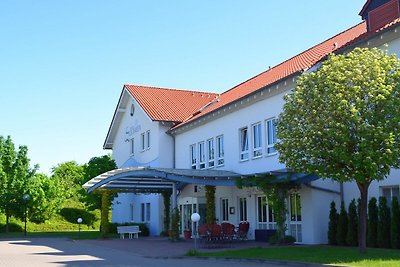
x,y
63,62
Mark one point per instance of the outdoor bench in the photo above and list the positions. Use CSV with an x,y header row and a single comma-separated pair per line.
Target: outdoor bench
x,y
132,231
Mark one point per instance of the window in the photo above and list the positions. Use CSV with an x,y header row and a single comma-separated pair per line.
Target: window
x,y
148,139
242,209
132,213
265,215
295,207
132,110
220,150
193,156
390,192
257,147
145,212
210,153
142,212
270,130
142,139
202,155
224,209
244,144
132,146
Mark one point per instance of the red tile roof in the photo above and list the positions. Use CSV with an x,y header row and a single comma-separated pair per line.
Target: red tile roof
x,y
163,104
296,64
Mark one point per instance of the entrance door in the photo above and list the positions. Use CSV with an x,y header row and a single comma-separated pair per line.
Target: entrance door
x,y
186,210
265,216
295,224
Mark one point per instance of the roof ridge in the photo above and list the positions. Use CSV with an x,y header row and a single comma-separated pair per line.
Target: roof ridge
x,y
303,52
173,89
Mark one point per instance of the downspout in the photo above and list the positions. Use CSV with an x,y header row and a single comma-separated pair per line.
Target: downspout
x,y
341,192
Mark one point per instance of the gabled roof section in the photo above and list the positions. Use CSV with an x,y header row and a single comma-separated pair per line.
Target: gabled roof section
x,y
296,64
164,104
160,104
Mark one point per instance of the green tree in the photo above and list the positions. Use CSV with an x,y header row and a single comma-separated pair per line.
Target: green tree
x,y
352,229
46,198
15,175
395,224
70,176
100,198
384,224
342,122
333,224
372,223
342,226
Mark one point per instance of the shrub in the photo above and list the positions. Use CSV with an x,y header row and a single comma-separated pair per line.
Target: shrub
x,y
372,234
12,227
384,224
342,226
286,240
395,224
333,224
72,214
352,230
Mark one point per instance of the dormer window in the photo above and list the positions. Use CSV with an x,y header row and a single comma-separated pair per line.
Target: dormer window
x,y
378,13
132,110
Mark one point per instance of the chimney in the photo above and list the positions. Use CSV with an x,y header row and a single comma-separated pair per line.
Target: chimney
x,y
378,13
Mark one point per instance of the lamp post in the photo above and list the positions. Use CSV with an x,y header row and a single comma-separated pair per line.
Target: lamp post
x,y
25,198
79,221
195,218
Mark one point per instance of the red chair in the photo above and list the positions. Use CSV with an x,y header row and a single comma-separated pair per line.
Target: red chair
x,y
204,233
228,231
243,230
215,232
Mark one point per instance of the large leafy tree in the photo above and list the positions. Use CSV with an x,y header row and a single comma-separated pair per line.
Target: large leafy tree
x,y
46,198
343,122
100,198
69,176
15,175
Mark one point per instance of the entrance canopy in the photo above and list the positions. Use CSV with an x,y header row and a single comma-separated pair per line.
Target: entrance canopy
x,y
149,180
154,180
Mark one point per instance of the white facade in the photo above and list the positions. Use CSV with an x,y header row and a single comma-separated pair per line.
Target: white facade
x,y
149,142
244,126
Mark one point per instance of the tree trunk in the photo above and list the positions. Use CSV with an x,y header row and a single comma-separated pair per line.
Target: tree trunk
x,y
362,234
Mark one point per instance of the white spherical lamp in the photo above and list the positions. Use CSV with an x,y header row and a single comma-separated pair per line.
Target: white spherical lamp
x,y
79,220
195,217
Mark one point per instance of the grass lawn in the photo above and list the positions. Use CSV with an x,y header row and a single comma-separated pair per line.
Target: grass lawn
x,y
69,234
318,254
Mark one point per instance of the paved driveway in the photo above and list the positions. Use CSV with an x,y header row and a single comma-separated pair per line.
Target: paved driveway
x,y
65,252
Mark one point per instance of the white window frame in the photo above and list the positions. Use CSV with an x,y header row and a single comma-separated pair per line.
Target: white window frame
x,y
210,153
265,214
244,143
220,151
224,209
132,146
143,141
148,139
270,136
202,155
145,212
242,209
193,156
392,194
257,139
